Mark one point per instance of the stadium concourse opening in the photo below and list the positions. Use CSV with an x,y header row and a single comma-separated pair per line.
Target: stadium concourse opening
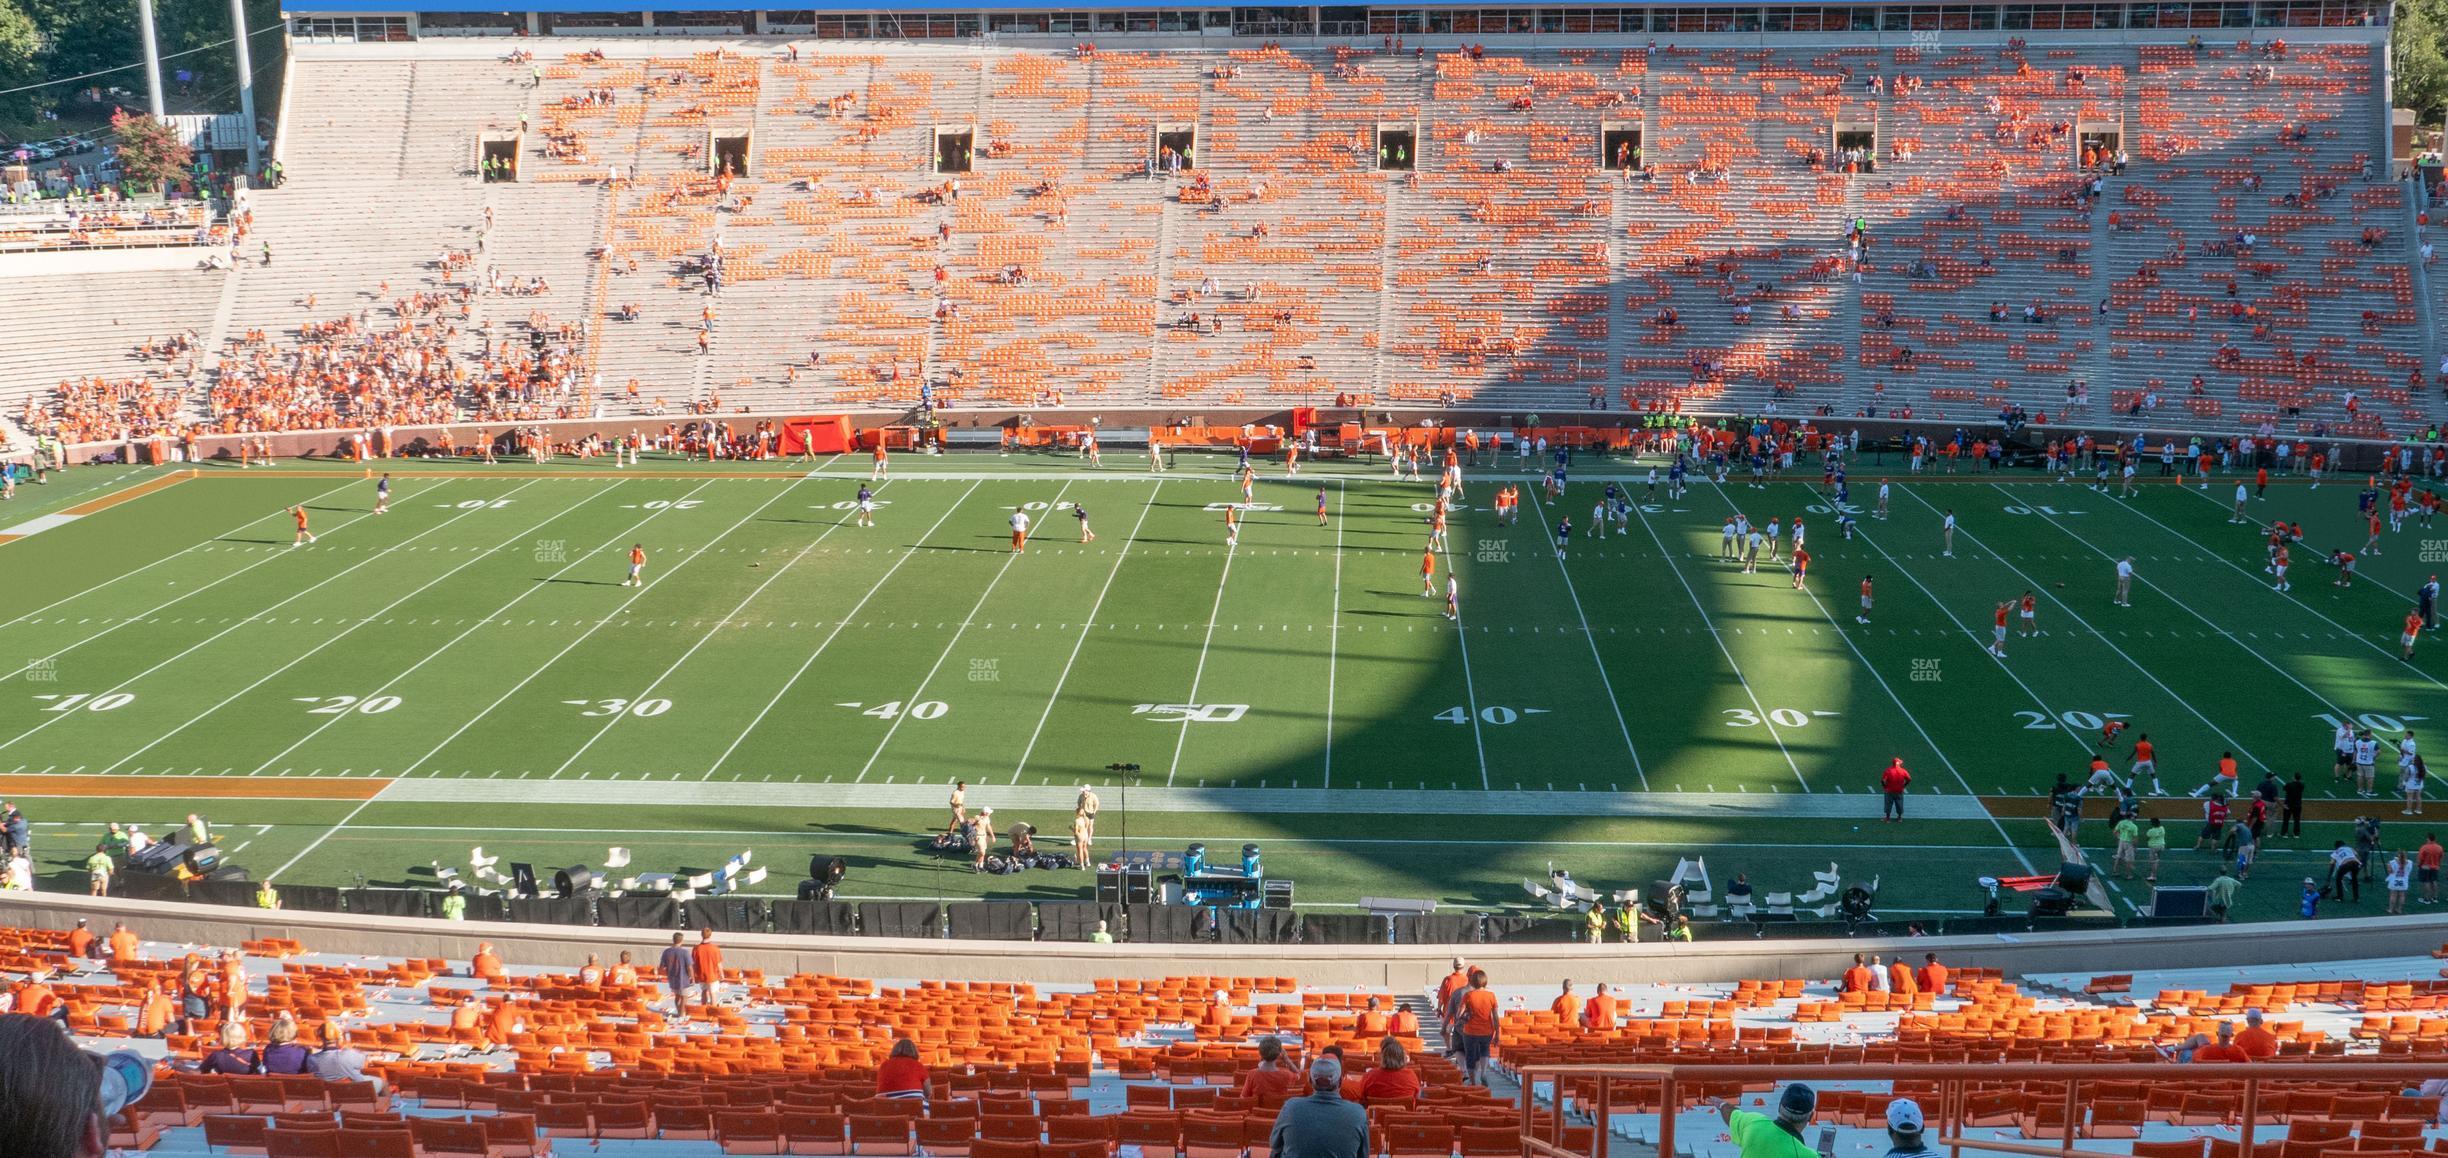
x,y
1397,147
729,155
955,149
498,159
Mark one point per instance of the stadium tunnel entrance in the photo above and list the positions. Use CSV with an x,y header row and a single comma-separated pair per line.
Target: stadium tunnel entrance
x,y
729,154
955,148
498,159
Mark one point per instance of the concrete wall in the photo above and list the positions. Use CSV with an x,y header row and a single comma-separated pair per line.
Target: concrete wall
x,y
86,262
1403,967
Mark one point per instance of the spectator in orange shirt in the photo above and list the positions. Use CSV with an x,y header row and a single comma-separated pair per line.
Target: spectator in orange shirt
x,y
486,965
195,991
154,1017
506,1023
35,997
1900,979
1391,1081
902,1075
1566,1006
80,940
706,966
624,971
233,986
1455,982
2256,1042
123,944
1272,1077
1599,1013
1406,1023
1479,1013
1373,1021
1856,979
2224,1049
1933,976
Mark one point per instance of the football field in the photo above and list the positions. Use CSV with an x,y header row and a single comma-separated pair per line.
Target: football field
x,y
470,669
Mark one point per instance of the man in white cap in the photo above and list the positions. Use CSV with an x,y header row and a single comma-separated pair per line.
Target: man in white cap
x,y
1904,1129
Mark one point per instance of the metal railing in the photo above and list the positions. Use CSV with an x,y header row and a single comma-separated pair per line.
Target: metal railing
x,y
1544,1131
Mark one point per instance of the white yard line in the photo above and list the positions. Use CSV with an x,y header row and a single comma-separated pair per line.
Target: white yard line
x,y
2187,605
2262,527
1604,681
847,616
710,633
328,833
1710,625
583,558
409,769
1334,627
249,620
919,692
158,562
268,557
2041,589
1085,628
597,835
361,621
1200,673
1470,686
2056,719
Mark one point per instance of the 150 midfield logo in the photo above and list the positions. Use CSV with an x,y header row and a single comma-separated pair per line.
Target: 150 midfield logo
x,y
1191,713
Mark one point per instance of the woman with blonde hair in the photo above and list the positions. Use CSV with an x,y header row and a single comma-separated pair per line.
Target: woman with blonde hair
x,y
283,1054
233,1057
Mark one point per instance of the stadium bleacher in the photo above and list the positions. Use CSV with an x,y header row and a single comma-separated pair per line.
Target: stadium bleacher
x,y
1509,266
471,1056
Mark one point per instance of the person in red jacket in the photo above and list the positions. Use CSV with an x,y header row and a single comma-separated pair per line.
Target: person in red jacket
x,y
1391,1080
1892,783
902,1075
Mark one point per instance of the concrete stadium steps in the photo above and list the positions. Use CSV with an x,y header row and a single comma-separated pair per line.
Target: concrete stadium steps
x,y
91,325
1510,269
2223,124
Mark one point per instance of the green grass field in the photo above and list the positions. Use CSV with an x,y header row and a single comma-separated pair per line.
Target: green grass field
x,y
790,682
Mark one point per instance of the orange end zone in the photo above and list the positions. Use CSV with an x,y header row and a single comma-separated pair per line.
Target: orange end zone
x,y
195,787
131,494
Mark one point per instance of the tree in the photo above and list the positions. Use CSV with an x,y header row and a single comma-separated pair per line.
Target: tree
x,y
150,152
20,44
2421,57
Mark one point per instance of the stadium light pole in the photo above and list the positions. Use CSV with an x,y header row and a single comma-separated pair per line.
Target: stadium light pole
x,y
246,83
152,57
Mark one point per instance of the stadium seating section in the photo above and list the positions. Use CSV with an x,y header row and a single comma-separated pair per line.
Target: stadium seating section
x,y
535,1055
1510,268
